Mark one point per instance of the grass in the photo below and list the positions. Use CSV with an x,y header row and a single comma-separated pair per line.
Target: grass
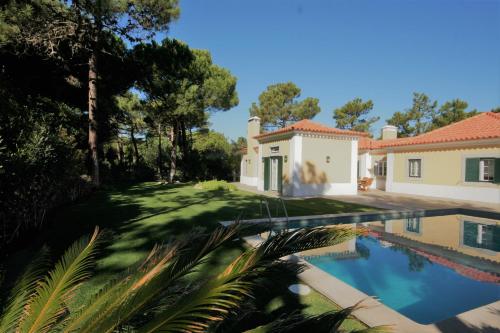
x,y
141,215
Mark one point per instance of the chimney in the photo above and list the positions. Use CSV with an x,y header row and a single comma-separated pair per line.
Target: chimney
x,y
389,132
253,129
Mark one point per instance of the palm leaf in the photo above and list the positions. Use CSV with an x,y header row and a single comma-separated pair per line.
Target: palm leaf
x,y
217,297
22,291
327,322
289,242
201,307
160,272
48,303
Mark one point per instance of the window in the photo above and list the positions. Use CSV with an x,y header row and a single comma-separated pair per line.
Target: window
x,y
486,169
415,168
481,236
482,169
413,224
381,168
275,149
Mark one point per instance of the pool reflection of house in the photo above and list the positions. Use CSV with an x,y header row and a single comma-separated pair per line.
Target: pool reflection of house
x,y
471,236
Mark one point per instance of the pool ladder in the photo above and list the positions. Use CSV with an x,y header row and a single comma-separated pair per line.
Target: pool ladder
x,y
264,203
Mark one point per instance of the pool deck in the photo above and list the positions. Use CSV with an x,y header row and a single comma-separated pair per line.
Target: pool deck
x,y
394,201
484,319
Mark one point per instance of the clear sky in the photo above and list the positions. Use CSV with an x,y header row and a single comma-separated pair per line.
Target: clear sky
x,y
337,50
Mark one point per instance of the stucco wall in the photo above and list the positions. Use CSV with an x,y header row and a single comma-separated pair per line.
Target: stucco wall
x,y
316,170
445,231
284,150
440,167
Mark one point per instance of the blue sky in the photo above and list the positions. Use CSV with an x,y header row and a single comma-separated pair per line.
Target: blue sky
x,y
338,50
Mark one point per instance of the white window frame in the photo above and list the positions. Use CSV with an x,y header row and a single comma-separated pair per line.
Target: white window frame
x,y
411,169
274,149
381,168
486,169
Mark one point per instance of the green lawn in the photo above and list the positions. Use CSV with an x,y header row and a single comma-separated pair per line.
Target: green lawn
x,y
136,217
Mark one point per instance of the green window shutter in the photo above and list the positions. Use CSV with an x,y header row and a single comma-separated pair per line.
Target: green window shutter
x,y
472,169
280,174
267,173
496,178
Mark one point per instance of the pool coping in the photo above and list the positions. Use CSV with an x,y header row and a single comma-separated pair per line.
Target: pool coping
x,y
374,312
369,216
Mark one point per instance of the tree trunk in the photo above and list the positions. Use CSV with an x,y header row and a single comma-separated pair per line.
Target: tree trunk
x,y
134,144
160,173
173,153
92,99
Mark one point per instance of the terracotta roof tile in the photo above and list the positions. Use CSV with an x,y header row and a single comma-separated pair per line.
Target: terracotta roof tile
x,y
485,125
307,125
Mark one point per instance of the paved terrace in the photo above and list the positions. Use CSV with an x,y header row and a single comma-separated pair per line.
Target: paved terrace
x,y
395,201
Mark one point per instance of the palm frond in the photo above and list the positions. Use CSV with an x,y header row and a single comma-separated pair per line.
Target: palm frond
x,y
327,322
48,303
287,243
160,271
195,311
21,292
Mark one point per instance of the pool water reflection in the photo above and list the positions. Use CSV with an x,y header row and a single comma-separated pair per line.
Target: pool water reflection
x,y
427,268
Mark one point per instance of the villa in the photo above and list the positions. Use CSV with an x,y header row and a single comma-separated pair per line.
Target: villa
x,y
458,161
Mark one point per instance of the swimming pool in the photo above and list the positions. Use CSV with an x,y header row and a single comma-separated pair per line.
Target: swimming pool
x,y
428,268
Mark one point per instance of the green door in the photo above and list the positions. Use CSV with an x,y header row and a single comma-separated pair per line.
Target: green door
x,y
267,173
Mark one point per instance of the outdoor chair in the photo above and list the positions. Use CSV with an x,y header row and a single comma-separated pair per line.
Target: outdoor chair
x,y
364,183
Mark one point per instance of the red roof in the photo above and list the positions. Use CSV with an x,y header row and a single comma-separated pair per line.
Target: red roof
x,y
485,125
309,126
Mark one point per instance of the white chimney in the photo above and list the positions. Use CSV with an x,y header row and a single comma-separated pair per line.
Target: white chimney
x,y
389,132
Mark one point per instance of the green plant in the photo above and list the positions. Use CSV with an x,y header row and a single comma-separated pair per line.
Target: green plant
x,y
215,185
154,296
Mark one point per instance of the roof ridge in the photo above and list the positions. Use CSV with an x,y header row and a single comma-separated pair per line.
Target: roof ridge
x,y
493,114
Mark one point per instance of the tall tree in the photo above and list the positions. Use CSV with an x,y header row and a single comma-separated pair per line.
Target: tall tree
x,y
451,112
185,86
422,112
62,27
351,116
402,121
416,120
132,118
279,106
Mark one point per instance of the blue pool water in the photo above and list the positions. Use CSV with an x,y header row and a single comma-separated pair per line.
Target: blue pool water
x,y
423,291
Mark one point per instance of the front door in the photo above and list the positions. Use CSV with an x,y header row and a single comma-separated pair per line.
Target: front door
x,y
274,174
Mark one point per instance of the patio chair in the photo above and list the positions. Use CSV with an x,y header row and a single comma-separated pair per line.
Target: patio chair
x,y
365,183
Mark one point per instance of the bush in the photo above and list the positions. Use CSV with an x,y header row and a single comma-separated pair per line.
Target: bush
x,y
215,185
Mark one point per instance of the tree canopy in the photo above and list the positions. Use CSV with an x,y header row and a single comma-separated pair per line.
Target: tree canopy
x,y
424,116
279,106
352,115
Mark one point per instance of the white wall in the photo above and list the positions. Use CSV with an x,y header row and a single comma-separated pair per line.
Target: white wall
x,y
298,189
483,194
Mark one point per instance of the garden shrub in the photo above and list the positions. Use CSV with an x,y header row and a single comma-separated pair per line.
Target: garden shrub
x,y
215,185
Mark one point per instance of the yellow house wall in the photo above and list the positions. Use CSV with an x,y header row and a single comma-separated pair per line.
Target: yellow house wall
x,y
444,231
284,150
439,167
316,170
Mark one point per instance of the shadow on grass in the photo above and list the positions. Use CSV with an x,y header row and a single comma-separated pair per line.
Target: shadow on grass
x,y
142,215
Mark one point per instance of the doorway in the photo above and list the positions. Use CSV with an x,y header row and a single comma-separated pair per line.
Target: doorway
x,y
273,173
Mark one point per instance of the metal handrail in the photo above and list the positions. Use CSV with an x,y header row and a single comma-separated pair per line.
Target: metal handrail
x,y
266,204
286,213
